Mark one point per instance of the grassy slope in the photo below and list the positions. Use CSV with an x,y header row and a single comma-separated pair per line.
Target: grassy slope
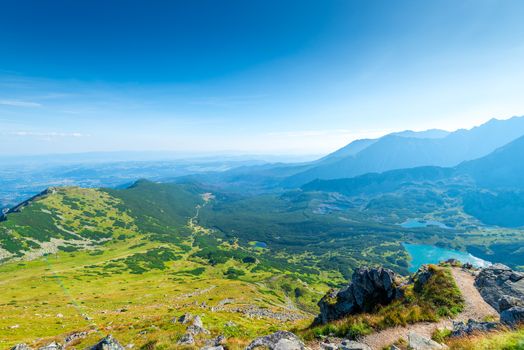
x,y
158,253
118,287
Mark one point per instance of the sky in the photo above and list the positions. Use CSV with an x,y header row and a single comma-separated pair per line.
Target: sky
x,y
253,77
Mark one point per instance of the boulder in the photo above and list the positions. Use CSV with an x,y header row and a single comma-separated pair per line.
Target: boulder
x,y
185,318
21,347
280,340
197,327
217,341
461,329
187,339
418,342
501,287
52,346
352,345
512,316
108,343
368,288
74,336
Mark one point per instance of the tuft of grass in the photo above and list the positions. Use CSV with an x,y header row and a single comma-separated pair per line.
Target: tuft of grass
x,y
500,340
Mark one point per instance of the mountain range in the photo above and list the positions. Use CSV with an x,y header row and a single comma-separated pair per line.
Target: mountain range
x,y
400,150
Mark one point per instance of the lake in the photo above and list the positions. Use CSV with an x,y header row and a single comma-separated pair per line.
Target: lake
x,y
415,223
259,244
429,254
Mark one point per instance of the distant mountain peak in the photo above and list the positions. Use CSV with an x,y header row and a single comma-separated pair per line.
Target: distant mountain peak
x,y
426,134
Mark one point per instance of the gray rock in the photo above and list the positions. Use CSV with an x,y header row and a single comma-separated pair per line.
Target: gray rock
x,y
352,345
508,301
108,343
187,339
467,266
52,346
461,329
75,336
421,277
208,347
328,346
368,288
500,287
280,340
418,342
197,327
21,347
512,316
185,318
220,340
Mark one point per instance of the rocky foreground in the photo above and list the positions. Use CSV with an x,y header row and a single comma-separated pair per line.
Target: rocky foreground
x,y
498,285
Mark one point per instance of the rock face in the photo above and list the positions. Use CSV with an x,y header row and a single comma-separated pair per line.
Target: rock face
x,y
108,343
501,287
461,329
280,340
512,316
368,288
418,342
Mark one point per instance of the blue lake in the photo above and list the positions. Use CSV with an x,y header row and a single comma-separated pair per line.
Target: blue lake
x,y
429,254
260,244
415,223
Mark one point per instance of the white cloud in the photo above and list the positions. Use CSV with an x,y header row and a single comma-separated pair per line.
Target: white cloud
x,y
19,103
46,134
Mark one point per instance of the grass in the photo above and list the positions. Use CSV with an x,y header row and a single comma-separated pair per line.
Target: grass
x,y
135,284
500,340
438,297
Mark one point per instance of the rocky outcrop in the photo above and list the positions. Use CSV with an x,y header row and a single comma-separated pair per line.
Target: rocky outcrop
x,y
21,347
368,288
185,318
187,339
418,342
512,316
280,340
345,345
501,287
72,337
197,327
52,346
461,329
108,343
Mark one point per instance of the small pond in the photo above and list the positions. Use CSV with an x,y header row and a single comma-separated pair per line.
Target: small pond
x,y
416,223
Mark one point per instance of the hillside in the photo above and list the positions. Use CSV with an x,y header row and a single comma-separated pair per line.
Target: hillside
x,y
145,251
246,264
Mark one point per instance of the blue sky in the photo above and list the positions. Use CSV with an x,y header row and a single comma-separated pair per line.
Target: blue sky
x,y
250,76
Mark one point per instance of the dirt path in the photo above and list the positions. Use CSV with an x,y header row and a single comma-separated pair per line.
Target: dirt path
x,y
475,308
